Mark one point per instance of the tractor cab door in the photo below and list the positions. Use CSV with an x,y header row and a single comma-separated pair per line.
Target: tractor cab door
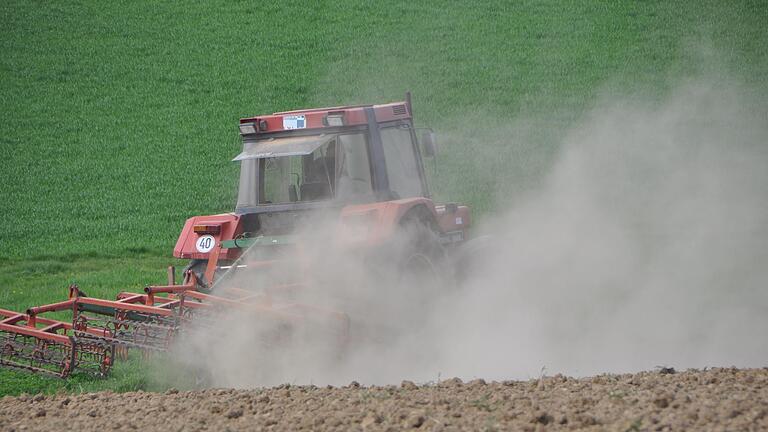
x,y
403,162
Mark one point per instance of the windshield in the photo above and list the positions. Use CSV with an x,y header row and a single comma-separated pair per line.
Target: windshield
x,y
326,167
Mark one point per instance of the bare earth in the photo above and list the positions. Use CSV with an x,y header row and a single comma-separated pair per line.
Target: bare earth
x,y
716,399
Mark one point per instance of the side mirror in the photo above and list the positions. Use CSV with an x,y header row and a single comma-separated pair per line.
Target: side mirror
x,y
429,148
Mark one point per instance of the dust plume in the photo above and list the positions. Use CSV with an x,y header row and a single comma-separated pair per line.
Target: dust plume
x,y
646,245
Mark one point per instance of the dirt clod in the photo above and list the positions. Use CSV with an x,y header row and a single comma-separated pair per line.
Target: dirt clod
x,y
451,382
371,419
477,382
235,413
415,419
543,418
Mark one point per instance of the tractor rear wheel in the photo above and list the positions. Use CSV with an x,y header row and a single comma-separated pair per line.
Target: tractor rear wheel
x,y
422,257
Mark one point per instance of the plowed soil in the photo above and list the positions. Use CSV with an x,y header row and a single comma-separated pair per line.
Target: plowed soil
x,y
716,399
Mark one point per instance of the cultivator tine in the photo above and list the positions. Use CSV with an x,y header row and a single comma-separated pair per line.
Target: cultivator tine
x,y
28,352
93,356
103,330
44,350
128,329
125,322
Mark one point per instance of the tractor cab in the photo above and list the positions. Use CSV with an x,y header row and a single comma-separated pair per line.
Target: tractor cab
x,y
305,169
333,156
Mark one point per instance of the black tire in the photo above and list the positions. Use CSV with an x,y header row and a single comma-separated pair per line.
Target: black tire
x,y
422,257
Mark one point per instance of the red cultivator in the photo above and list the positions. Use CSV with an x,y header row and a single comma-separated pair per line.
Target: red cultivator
x,y
88,342
99,329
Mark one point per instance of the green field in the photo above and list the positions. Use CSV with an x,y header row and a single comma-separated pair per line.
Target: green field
x,y
119,118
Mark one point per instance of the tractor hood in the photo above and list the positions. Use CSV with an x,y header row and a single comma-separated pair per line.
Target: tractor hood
x,y
283,146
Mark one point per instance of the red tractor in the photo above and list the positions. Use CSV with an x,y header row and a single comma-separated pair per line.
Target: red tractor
x,y
363,165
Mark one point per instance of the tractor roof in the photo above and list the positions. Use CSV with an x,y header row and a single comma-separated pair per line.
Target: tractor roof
x,y
318,118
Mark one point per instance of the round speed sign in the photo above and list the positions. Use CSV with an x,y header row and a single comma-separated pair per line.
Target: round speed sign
x,y
205,243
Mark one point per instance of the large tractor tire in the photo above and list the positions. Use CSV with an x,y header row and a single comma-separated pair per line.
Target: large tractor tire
x,y
422,258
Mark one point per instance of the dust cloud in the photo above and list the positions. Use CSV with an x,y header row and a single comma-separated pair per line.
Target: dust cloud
x,y
645,247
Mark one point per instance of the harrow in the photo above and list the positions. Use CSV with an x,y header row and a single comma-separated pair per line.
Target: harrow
x,y
101,331
52,347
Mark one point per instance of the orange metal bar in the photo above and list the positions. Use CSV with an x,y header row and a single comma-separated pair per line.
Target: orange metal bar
x,y
48,321
169,303
53,327
126,297
213,261
53,307
28,331
171,275
133,298
14,319
159,289
165,300
44,321
124,306
8,313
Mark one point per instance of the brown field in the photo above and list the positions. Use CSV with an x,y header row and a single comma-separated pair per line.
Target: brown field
x,y
715,399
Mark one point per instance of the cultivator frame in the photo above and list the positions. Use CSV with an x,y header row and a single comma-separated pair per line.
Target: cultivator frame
x,y
101,331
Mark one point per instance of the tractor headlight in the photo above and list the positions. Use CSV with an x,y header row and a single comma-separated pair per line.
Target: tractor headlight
x,y
247,128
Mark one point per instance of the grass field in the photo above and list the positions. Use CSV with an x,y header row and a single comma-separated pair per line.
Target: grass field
x,y
119,118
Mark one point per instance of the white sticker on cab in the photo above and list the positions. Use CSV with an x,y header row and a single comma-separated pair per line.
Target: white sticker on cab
x,y
459,221
294,122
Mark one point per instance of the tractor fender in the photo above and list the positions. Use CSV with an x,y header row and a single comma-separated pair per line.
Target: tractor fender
x,y
216,228
385,218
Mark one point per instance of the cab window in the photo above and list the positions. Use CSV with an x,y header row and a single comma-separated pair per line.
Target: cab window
x,y
402,167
